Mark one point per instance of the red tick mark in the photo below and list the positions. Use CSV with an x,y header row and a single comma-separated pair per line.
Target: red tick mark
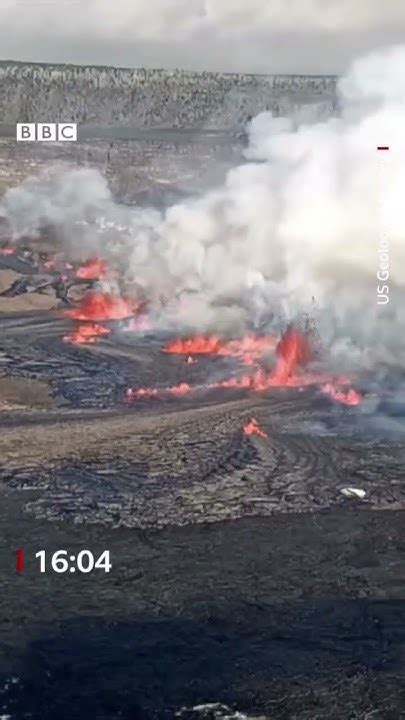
x,y
19,561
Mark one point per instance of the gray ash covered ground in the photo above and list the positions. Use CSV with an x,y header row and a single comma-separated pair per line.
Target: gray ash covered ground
x,y
240,574
147,167
298,616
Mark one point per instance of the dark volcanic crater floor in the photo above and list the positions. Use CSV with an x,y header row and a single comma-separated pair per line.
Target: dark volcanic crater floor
x,y
156,462
241,574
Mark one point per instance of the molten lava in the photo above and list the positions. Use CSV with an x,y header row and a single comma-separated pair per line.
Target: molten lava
x,y
130,393
86,334
49,264
348,397
7,251
198,345
253,428
294,351
57,263
103,306
248,348
93,269
181,389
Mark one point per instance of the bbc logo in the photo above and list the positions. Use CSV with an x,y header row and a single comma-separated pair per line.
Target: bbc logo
x,y
46,132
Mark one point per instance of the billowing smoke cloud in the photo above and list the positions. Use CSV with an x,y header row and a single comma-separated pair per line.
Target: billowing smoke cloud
x,y
270,35
302,219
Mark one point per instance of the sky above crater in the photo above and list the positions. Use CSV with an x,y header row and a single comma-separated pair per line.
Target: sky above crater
x,y
297,36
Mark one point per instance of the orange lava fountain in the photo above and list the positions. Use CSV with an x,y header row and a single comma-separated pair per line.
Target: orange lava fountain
x,y
293,352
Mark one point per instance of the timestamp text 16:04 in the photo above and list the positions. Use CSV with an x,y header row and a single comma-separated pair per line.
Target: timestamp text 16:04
x,y
84,561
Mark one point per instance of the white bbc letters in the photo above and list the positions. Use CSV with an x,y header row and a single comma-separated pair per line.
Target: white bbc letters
x,y
46,132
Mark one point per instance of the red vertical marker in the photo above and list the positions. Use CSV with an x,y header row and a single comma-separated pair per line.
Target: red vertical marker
x,y
19,565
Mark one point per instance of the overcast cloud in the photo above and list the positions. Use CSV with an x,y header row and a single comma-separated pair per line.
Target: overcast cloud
x,y
299,36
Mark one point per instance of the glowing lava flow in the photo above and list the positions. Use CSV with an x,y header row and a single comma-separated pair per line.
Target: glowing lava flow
x,y
348,397
55,262
93,269
253,428
102,306
249,348
86,334
98,307
181,389
198,345
49,264
7,251
293,352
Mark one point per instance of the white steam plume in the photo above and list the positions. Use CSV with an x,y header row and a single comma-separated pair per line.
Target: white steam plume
x,y
300,219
